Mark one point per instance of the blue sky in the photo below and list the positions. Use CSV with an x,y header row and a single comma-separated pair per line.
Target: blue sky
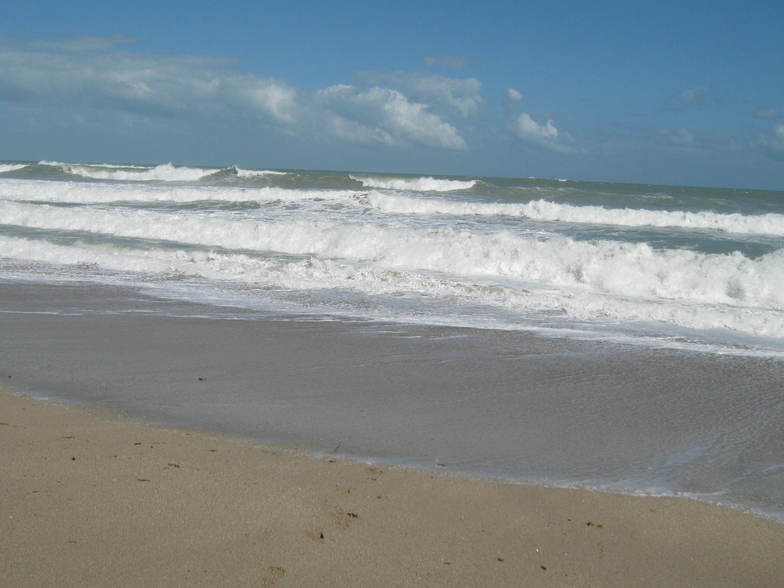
x,y
666,92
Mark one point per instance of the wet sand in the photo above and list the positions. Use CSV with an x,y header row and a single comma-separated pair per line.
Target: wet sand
x,y
91,499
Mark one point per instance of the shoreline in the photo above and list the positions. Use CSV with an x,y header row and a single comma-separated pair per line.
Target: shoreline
x,y
488,404
91,498
299,450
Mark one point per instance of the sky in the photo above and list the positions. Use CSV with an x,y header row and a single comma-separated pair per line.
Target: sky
x,y
660,92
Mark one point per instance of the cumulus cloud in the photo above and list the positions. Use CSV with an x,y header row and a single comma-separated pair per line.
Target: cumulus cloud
x,y
774,143
384,115
544,135
767,113
451,61
96,78
693,95
93,71
460,95
514,95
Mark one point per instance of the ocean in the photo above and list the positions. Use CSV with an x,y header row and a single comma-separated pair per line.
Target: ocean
x,y
644,270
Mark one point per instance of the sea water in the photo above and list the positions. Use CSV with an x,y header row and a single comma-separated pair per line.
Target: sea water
x,y
699,268
675,269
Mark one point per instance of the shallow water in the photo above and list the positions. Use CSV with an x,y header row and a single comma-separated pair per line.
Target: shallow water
x,y
504,404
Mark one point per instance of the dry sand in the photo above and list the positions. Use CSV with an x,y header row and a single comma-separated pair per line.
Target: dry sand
x,y
90,499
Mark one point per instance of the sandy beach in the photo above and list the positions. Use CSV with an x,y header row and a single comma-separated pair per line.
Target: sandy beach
x,y
91,499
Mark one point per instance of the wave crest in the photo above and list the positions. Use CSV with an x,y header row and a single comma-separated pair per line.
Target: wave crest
x,y
254,173
544,210
9,167
577,303
422,184
84,193
166,172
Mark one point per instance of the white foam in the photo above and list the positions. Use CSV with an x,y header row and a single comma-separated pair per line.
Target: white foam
x,y
106,165
9,167
423,184
584,280
544,210
250,173
319,273
167,172
83,192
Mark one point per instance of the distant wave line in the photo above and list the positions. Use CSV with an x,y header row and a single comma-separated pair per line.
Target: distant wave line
x,y
167,172
84,192
544,210
420,184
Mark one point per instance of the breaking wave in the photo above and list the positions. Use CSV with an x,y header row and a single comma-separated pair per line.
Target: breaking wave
x,y
586,280
252,173
9,167
543,210
83,192
328,273
167,172
423,184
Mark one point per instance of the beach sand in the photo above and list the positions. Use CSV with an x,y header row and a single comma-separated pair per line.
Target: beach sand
x,y
88,498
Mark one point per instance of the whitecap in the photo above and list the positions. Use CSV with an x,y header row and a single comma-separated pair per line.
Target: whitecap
x,y
421,184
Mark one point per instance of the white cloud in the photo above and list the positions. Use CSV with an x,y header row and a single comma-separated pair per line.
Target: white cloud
x,y
693,95
459,94
451,61
382,115
351,130
774,144
543,135
92,71
514,95
95,78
